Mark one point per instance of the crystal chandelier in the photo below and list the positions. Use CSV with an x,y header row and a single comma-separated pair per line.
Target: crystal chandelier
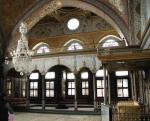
x,y
22,57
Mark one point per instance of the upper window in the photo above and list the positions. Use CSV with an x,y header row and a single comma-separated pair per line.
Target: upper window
x,y
75,46
34,76
70,76
84,75
43,49
50,75
121,73
73,23
100,73
110,43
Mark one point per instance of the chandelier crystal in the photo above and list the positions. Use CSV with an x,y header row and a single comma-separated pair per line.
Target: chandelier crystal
x,y
22,56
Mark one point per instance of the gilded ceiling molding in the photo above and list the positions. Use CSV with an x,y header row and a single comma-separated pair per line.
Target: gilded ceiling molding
x,y
90,5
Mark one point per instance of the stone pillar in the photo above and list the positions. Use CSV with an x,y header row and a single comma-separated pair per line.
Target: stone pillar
x,y
13,87
140,87
94,90
75,96
105,84
132,85
109,90
43,91
135,86
28,93
146,86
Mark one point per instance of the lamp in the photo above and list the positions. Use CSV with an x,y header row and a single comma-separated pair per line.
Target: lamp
x,y
22,56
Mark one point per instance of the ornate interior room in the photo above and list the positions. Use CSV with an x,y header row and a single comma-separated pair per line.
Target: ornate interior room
x,y
76,54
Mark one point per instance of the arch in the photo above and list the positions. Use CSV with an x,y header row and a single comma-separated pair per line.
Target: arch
x,y
31,18
73,40
109,36
117,40
55,66
44,47
13,73
38,44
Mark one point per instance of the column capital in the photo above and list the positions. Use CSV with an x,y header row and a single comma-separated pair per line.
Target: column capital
x,y
43,73
94,71
75,72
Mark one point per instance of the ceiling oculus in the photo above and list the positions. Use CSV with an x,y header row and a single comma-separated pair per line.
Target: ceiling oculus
x,y
73,23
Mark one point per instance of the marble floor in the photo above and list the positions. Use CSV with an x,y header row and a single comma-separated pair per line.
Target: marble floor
x,y
27,116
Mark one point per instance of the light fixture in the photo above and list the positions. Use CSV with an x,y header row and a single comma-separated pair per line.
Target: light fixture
x,y
22,56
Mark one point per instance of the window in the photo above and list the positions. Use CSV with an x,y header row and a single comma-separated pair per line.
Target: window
x,y
100,82
34,84
9,87
100,88
100,73
75,46
122,88
23,89
84,75
50,89
43,49
121,73
33,89
71,88
34,76
70,76
50,75
73,24
110,43
85,88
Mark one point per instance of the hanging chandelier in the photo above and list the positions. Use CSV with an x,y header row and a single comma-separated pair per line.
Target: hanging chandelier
x,y
22,56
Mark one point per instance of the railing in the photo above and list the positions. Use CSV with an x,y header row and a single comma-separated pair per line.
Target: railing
x,y
130,117
120,51
142,116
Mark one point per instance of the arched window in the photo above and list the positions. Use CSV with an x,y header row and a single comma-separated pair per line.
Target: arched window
x,y
75,46
110,43
43,49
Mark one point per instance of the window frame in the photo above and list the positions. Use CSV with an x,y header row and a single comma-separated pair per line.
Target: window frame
x,y
123,88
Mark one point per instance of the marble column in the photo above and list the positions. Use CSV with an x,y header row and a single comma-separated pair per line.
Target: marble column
x,y
43,91
135,86
28,93
132,85
75,96
140,87
109,90
94,91
105,84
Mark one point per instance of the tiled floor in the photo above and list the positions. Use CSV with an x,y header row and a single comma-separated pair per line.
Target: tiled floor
x,y
24,116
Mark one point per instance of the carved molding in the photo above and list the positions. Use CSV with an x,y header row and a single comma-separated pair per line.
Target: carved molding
x,y
74,63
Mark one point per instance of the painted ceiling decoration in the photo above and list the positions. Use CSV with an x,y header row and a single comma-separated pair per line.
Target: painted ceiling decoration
x,y
33,11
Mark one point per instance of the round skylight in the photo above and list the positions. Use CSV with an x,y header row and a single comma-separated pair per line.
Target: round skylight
x,y
73,24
